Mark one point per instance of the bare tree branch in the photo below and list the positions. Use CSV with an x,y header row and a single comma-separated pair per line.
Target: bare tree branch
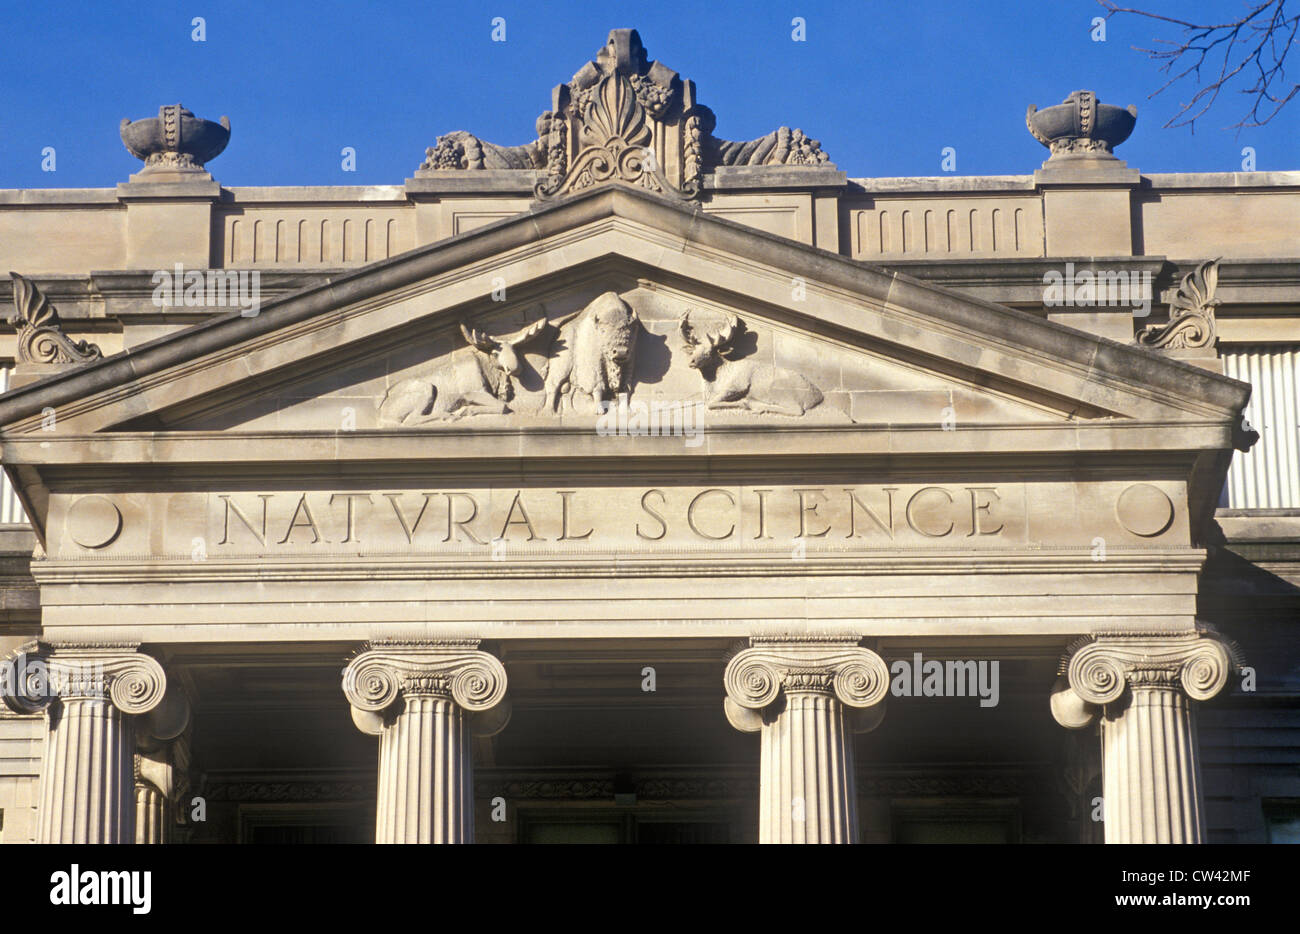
x,y
1252,48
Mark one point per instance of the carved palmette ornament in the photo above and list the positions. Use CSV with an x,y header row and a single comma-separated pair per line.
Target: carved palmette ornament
x,y
1191,313
627,119
40,334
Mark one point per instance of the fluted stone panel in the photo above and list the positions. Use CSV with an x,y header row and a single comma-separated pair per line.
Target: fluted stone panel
x,y
150,814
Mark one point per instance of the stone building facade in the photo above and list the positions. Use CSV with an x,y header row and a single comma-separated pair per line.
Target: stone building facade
x,y
637,484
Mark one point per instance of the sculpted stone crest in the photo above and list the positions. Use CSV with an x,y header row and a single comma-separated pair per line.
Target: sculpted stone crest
x,y
623,118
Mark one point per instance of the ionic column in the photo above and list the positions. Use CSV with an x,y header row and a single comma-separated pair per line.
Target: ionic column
x,y
806,697
151,817
161,777
92,697
425,701
1141,687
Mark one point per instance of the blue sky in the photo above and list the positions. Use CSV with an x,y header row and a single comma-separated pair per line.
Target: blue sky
x,y
884,85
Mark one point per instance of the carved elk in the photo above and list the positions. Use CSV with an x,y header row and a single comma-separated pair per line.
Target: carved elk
x,y
744,384
473,380
596,360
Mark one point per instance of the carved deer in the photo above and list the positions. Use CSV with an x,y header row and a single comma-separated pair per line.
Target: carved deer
x,y
744,384
473,380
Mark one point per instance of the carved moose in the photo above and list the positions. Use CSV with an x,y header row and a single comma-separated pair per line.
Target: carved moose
x,y
596,360
473,380
744,384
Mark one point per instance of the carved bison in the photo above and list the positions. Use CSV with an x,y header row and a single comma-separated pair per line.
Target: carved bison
x,y
597,357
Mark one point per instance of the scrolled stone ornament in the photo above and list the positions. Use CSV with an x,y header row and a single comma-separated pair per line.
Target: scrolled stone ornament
x,y
1096,675
1069,709
40,333
137,685
1206,672
479,685
372,684
751,682
862,682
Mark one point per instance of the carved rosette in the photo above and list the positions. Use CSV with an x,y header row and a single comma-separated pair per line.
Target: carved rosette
x,y
1191,313
40,334
377,679
1104,671
759,677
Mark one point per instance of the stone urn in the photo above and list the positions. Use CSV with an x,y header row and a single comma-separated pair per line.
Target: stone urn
x,y
175,139
1081,126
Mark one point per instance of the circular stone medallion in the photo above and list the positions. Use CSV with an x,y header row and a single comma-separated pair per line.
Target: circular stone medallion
x,y
1144,510
93,521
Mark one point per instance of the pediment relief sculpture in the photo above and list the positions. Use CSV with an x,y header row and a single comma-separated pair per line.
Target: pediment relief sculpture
x,y
587,354
737,382
624,118
597,355
474,380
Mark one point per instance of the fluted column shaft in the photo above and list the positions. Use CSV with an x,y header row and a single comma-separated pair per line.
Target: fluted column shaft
x,y
150,814
1151,770
806,698
426,792
808,793
1141,689
425,702
87,783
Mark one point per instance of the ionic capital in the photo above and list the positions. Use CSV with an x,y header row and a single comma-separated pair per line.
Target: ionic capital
x,y
385,673
1102,671
37,674
757,677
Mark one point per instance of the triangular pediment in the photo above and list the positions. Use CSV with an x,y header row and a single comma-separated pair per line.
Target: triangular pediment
x,y
805,337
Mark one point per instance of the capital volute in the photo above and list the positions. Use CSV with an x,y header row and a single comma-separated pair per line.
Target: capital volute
x,y
383,674
37,674
1111,666
758,677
